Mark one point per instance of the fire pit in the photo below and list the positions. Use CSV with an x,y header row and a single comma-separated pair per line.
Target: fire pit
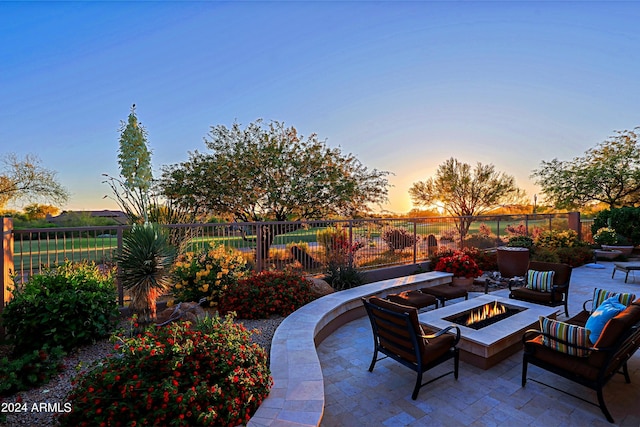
x,y
486,346
485,315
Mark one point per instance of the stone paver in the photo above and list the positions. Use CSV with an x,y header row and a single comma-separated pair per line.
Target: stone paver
x,y
494,397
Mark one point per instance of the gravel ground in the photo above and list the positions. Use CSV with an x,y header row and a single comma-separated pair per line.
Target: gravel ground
x,y
56,390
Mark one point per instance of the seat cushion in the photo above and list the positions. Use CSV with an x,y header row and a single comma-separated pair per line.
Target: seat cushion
x,y
445,291
413,298
540,280
563,331
437,347
525,294
581,366
601,315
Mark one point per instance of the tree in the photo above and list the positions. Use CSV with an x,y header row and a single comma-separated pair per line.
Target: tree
x,y
36,211
464,192
134,157
26,179
608,173
268,172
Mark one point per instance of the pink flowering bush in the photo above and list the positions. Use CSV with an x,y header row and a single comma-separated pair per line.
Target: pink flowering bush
x,y
205,374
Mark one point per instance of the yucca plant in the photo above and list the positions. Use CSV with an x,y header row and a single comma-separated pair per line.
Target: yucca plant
x,y
145,267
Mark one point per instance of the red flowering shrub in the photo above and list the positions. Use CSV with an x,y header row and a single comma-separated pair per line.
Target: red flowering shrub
x,y
460,264
265,294
207,374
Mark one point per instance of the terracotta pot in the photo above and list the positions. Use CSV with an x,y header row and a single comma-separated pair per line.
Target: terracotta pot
x,y
463,282
513,262
626,250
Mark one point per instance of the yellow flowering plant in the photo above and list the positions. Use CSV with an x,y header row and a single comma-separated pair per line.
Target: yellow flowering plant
x,y
207,274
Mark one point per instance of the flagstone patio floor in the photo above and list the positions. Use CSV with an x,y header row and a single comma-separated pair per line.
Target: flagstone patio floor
x,y
494,397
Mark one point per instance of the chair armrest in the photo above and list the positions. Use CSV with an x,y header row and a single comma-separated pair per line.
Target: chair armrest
x,y
444,331
584,305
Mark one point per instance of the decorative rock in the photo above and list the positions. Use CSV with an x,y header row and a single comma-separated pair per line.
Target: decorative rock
x,y
184,311
320,287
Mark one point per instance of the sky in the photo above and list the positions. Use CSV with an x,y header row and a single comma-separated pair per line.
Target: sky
x,y
402,85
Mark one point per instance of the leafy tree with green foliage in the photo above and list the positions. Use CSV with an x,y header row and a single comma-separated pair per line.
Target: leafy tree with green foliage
x,y
26,179
465,192
625,221
608,173
37,211
268,172
134,158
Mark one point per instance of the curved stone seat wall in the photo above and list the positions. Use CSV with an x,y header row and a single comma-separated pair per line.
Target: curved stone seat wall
x,y
297,396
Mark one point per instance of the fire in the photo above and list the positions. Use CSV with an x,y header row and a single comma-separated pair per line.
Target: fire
x,y
485,312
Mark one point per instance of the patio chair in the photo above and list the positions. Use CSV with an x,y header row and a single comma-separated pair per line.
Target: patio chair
x,y
398,335
557,293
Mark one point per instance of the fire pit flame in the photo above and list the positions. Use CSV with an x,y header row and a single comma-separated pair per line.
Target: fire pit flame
x,y
487,311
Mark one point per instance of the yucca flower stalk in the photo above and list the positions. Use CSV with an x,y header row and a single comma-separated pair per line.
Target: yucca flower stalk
x,y
145,267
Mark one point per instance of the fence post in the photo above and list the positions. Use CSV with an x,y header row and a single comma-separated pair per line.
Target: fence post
x,y
350,243
119,235
574,223
6,264
259,247
415,241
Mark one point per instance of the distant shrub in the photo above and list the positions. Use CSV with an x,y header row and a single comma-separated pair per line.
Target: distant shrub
x,y
398,239
207,274
557,239
267,294
67,306
520,241
342,277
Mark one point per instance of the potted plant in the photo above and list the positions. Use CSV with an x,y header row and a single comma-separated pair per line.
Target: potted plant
x,y
462,266
610,240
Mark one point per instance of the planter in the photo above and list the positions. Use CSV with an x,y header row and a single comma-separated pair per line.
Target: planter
x,y
606,254
463,282
513,261
624,249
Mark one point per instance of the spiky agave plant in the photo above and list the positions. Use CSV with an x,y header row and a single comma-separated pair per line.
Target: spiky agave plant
x,y
145,267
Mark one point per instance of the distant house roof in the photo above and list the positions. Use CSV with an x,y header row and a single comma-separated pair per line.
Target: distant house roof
x,y
117,216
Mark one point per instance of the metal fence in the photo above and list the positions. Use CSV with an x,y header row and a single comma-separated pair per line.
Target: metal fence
x,y
365,243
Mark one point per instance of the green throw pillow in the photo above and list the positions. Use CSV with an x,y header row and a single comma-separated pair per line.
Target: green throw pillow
x,y
540,280
572,334
600,295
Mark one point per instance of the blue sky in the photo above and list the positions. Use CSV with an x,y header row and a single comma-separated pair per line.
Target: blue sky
x,y
403,86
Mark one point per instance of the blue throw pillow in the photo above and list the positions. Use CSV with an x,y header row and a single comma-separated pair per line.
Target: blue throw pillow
x,y
601,315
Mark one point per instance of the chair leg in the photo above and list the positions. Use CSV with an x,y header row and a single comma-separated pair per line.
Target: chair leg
x,y
603,407
566,308
456,363
524,371
625,372
374,360
416,389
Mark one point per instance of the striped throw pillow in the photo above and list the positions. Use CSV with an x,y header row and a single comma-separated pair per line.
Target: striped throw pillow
x,y
540,280
601,295
572,334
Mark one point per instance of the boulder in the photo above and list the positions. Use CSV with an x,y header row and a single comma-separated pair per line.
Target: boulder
x,y
184,311
320,287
